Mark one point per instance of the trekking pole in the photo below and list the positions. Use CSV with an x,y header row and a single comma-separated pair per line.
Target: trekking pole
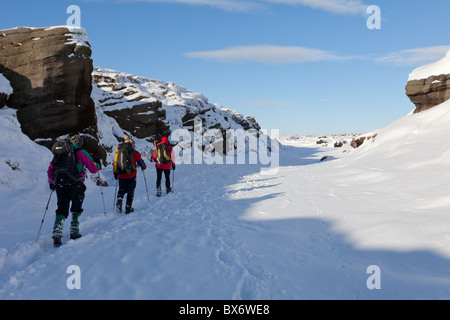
x,y
146,188
101,190
115,195
42,222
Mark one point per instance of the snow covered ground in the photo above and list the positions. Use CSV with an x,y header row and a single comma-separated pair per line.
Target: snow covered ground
x,y
312,231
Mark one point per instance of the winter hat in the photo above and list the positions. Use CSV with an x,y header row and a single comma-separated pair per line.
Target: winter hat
x,y
128,139
77,139
164,140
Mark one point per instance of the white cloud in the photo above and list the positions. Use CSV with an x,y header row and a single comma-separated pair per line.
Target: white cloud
x,y
267,54
268,103
414,57
228,5
276,55
343,7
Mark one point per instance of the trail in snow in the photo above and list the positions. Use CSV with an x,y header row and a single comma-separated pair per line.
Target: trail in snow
x,y
227,232
189,244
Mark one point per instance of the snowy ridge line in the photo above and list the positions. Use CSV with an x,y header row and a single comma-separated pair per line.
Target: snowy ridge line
x,y
76,35
437,68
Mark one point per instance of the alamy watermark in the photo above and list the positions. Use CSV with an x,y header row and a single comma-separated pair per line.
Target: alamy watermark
x,y
232,146
374,20
74,280
75,19
374,281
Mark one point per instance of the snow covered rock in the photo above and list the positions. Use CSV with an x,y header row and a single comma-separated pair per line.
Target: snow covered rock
x,y
429,86
5,90
50,72
148,107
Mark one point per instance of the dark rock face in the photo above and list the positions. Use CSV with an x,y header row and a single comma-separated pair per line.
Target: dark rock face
x,y
430,92
50,72
3,99
141,120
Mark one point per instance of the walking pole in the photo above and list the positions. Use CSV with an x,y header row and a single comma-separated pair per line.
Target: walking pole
x,y
146,188
101,190
115,195
116,178
42,222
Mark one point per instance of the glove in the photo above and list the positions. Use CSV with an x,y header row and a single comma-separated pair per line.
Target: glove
x,y
173,167
98,163
52,186
115,175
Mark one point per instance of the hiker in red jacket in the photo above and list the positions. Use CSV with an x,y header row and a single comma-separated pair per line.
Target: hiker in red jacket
x,y
164,162
127,180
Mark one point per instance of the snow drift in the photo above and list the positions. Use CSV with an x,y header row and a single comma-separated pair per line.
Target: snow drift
x,y
439,67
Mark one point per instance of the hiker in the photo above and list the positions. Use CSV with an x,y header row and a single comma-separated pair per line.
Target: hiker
x,y
125,163
66,176
164,162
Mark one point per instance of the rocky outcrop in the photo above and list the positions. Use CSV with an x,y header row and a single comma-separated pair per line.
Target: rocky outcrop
x,y
50,72
135,111
430,92
429,86
148,108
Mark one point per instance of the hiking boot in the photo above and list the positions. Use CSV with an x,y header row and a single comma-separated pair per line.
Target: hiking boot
x,y
119,205
75,236
57,242
158,192
58,226
74,224
168,190
129,210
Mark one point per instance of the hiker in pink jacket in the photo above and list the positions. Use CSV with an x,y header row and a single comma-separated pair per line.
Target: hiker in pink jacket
x,y
66,176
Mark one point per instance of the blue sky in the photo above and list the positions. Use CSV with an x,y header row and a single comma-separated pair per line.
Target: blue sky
x,y
300,66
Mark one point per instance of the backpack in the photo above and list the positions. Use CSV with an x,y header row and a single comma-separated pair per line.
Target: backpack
x,y
125,158
163,153
64,162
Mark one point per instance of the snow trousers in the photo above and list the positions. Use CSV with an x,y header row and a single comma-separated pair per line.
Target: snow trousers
x,y
159,173
126,186
68,194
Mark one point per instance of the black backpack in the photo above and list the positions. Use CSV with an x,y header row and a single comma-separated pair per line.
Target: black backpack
x,y
125,158
64,162
163,153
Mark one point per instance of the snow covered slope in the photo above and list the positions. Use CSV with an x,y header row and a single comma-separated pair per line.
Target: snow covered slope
x,y
402,178
227,232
